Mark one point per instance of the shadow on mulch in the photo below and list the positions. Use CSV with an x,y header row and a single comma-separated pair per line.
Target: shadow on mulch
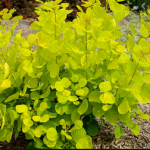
x,y
19,143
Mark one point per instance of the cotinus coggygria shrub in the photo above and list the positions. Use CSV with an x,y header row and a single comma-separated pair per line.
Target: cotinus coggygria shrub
x,y
56,82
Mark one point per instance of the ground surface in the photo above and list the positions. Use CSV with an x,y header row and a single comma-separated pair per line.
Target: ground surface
x,y
105,139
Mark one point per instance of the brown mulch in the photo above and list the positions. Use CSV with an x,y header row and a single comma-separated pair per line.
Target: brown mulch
x,y
19,143
105,138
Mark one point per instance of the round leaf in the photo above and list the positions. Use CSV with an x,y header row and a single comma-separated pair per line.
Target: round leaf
x,y
52,134
78,133
48,142
112,115
54,71
62,99
92,130
7,16
66,82
28,122
82,82
35,95
75,116
74,78
25,44
80,92
78,124
27,66
86,91
135,129
144,31
124,117
83,107
124,107
21,108
94,96
66,92
36,118
107,97
98,111
84,143
118,132
72,98
106,107
59,86
59,108
44,118
32,83
43,106
105,86
53,68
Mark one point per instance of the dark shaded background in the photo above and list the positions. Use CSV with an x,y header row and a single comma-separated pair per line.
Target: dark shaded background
x,y
26,7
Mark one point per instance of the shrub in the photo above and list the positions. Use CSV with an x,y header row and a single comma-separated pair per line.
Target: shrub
x,y
77,71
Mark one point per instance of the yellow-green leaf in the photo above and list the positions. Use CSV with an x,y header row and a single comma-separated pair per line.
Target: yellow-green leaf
x,y
5,84
120,48
107,98
132,29
84,143
12,97
78,124
66,93
44,118
144,31
83,107
75,116
72,98
98,111
43,106
59,86
105,86
52,134
80,92
36,118
74,78
32,83
106,107
21,108
35,95
25,44
112,115
7,16
82,82
118,132
135,129
27,66
94,96
46,94
7,70
124,107
66,82
28,122
16,18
